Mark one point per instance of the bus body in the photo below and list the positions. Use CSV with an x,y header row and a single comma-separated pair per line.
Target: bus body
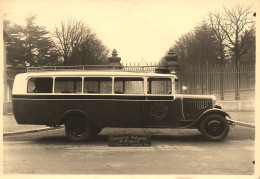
x,y
87,101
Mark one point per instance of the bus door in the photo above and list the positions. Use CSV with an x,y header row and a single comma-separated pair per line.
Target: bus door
x,y
161,108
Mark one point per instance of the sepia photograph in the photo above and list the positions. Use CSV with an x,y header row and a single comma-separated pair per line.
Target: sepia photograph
x,y
129,88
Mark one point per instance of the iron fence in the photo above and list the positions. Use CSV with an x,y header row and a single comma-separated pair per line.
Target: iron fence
x,y
226,82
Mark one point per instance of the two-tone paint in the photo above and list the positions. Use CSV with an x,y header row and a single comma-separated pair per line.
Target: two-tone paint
x,y
110,110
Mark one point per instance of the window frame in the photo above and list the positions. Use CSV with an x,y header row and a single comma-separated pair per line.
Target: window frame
x,y
143,79
172,86
37,77
54,83
83,85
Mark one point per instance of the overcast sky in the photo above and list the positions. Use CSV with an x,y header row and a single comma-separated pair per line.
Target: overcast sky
x,y
137,28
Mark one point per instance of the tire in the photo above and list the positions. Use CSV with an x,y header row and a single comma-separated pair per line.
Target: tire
x,y
214,127
77,129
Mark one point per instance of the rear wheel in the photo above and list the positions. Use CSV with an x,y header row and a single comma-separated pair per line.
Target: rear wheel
x,y
77,128
214,127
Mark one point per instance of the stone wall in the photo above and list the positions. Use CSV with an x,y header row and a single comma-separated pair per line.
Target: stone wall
x,y
237,105
7,108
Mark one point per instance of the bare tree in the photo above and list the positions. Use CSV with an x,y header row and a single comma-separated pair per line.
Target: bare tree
x,y
215,20
70,36
236,25
93,51
221,38
235,29
197,47
78,44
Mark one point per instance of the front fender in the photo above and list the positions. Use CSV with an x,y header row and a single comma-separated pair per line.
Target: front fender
x,y
208,112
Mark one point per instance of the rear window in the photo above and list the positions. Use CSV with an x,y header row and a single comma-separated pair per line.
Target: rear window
x,y
40,85
68,85
129,86
159,86
98,85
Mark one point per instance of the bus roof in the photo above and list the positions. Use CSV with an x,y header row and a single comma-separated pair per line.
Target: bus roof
x,y
96,73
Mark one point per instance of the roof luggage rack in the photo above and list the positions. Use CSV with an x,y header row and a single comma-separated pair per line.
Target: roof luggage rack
x,y
73,68
143,69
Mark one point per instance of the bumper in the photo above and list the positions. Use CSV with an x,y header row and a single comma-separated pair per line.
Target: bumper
x,y
231,123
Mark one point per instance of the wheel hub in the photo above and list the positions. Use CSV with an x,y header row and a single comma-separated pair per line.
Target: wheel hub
x,y
215,128
78,129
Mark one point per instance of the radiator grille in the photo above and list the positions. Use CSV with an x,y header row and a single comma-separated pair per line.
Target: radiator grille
x,y
193,108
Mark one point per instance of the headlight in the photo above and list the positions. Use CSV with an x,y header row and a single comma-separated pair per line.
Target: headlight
x,y
214,100
215,104
218,106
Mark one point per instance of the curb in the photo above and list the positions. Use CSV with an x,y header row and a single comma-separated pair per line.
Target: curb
x,y
31,131
244,124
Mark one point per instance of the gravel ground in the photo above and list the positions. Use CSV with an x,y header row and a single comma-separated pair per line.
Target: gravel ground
x,y
172,152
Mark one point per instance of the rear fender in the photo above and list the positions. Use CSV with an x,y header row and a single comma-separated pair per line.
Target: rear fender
x,y
72,112
208,112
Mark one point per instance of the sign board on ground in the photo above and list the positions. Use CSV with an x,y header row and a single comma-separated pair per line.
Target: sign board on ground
x,y
129,140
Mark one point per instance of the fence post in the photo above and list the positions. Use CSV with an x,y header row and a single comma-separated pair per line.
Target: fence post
x,y
114,59
221,82
237,86
194,79
210,80
201,78
171,61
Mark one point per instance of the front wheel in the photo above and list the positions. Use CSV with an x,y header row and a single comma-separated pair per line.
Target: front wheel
x,y
214,127
77,129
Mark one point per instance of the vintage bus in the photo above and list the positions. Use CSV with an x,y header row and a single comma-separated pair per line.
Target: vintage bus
x,y
87,101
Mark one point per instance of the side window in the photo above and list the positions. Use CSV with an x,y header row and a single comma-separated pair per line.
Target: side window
x,y
98,85
68,85
129,86
159,86
39,85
